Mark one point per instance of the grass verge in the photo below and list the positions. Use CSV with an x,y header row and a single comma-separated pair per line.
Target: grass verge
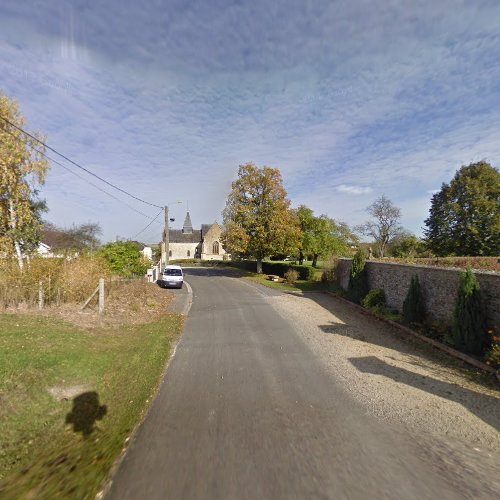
x,y
300,285
69,398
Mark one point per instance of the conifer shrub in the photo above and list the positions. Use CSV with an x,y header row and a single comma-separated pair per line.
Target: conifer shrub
x,y
375,299
413,305
358,281
469,332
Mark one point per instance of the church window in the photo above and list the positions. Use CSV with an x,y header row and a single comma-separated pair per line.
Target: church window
x,y
189,253
170,253
216,248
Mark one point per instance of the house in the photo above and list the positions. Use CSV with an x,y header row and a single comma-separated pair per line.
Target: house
x,y
189,243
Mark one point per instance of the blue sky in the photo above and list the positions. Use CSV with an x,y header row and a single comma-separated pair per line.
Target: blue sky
x,y
350,99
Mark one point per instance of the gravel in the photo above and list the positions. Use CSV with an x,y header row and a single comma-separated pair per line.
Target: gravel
x,y
403,380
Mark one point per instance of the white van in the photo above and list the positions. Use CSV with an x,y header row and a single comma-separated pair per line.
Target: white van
x,y
172,277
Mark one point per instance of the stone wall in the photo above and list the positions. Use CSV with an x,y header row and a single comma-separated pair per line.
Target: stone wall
x,y
180,250
439,284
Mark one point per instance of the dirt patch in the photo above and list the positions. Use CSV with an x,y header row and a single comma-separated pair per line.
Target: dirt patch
x,y
66,393
126,302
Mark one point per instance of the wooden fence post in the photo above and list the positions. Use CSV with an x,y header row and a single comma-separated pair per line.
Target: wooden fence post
x,y
101,295
40,295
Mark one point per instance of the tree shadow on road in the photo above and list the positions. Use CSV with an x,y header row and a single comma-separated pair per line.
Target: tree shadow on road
x,y
487,408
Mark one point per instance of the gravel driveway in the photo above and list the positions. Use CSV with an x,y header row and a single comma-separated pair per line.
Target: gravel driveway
x,y
404,380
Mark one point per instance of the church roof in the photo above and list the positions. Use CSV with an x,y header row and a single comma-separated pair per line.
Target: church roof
x,y
188,225
179,236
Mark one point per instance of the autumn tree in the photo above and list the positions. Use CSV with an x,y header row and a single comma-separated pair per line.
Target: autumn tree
x,y
22,169
464,218
384,225
258,221
322,236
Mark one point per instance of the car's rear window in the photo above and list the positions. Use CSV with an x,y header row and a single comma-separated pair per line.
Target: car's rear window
x,y
173,272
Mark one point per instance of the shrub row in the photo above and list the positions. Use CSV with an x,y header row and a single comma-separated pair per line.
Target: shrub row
x,y
306,273
469,331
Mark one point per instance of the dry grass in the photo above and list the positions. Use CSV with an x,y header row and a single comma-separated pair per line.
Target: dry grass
x,y
63,281
131,302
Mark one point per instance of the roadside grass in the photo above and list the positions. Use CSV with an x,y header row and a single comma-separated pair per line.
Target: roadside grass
x,y
64,446
300,286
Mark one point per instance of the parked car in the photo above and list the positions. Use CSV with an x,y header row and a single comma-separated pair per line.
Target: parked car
x,y
172,277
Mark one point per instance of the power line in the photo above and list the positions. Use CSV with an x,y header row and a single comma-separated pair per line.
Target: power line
x,y
142,230
77,165
82,178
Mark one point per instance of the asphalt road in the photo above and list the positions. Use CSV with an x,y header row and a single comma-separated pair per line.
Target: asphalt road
x,y
247,411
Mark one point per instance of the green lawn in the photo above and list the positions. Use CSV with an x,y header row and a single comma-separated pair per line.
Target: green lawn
x,y
52,447
300,286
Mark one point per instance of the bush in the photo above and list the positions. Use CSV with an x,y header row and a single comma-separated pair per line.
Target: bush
x,y
306,273
358,282
413,305
124,259
469,321
291,276
375,299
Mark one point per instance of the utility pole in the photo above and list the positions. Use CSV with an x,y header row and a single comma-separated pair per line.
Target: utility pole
x,y
166,236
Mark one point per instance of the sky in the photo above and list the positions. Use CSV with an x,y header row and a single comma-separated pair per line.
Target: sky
x,y
166,98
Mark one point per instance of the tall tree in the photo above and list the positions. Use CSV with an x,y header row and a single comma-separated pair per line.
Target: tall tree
x,y
384,226
322,236
464,218
22,170
257,218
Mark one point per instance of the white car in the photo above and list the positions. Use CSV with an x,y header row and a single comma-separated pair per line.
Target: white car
x,y
172,277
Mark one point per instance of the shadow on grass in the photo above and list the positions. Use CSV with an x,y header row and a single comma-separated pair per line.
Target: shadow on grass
x,y
485,407
85,412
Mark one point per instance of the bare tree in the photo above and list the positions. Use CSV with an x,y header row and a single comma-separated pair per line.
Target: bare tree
x,y
384,226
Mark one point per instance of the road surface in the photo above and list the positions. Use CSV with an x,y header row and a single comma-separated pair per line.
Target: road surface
x,y
247,411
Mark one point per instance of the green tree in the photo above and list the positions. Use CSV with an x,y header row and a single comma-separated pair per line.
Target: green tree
x,y
358,280
469,320
464,218
384,225
257,218
124,258
413,305
407,245
322,236
22,169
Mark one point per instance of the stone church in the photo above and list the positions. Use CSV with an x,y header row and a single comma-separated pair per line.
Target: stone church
x,y
189,243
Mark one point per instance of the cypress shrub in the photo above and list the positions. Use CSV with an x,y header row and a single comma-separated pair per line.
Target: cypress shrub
x,y
358,281
413,305
469,321
375,299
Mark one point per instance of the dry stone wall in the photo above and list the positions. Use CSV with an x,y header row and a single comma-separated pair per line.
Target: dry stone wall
x,y
440,286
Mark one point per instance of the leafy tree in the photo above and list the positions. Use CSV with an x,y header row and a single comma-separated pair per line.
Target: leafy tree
x,y
407,245
322,236
469,321
413,305
384,226
464,218
22,170
358,280
257,218
124,259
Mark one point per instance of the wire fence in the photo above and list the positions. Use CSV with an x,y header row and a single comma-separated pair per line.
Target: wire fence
x,y
49,282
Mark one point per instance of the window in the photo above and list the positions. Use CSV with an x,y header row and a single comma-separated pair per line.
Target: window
x,y
170,253
172,272
215,248
189,253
